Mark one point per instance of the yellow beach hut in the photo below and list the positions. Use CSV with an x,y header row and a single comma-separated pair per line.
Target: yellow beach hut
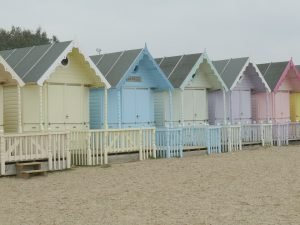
x,y
52,92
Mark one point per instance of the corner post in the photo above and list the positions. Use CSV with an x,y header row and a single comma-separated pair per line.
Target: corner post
x,y
20,129
105,108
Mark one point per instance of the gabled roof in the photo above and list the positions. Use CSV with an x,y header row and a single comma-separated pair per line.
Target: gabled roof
x,y
35,64
117,65
273,72
114,65
179,69
230,69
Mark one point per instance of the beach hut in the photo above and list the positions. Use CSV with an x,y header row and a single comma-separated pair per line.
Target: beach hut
x,y
244,80
284,82
52,92
193,77
136,79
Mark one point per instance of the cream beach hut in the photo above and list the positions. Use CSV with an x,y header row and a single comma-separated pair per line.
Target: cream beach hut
x,y
193,77
51,89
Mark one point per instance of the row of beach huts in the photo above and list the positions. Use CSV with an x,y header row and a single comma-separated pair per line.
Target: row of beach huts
x,y
60,107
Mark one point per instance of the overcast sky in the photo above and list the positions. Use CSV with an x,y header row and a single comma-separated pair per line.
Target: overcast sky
x,y
266,30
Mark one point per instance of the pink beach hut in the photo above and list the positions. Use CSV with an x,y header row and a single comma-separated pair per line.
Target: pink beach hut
x,y
284,81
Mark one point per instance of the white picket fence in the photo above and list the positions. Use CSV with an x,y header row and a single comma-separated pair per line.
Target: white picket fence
x,y
213,139
257,134
281,134
35,146
92,147
194,136
294,131
231,139
169,142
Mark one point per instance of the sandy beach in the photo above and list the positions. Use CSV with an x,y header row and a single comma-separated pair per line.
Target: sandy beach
x,y
256,186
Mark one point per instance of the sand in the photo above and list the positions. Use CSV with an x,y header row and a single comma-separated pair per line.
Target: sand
x,y
256,186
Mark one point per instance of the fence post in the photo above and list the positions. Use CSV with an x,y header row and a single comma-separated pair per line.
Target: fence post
x,y
2,154
50,161
262,134
153,144
140,143
67,150
89,151
105,147
168,153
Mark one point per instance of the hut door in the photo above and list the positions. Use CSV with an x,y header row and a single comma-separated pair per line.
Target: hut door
x,y
136,107
74,108
295,107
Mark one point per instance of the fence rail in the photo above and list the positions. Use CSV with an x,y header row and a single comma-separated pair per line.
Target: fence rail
x,y
231,139
256,134
281,134
35,146
92,147
169,142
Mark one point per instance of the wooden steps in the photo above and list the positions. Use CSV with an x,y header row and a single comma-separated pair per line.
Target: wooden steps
x,y
28,169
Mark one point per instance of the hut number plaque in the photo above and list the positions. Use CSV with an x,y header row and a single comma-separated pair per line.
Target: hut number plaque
x,y
134,79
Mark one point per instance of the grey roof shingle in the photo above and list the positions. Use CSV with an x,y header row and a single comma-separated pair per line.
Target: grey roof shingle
x,y
32,62
229,69
177,68
298,68
114,65
272,72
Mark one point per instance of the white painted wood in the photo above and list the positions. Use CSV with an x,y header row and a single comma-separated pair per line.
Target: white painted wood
x,y
1,110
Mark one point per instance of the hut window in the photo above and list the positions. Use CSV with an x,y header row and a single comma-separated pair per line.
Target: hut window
x,y
136,68
65,61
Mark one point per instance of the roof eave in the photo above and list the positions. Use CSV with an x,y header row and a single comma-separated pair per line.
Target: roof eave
x,y
12,72
196,66
63,55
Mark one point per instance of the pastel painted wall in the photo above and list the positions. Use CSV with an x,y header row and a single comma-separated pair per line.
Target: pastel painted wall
x,y
295,107
277,107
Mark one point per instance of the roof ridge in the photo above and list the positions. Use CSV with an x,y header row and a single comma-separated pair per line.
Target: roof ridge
x,y
110,69
225,67
175,67
38,60
24,56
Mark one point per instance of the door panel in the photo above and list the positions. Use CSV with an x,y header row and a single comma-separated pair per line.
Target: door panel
x,y
142,106
56,106
282,106
128,106
245,104
235,106
1,108
200,105
73,104
188,108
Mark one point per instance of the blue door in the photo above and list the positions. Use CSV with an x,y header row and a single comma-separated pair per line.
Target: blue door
x,y
136,107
